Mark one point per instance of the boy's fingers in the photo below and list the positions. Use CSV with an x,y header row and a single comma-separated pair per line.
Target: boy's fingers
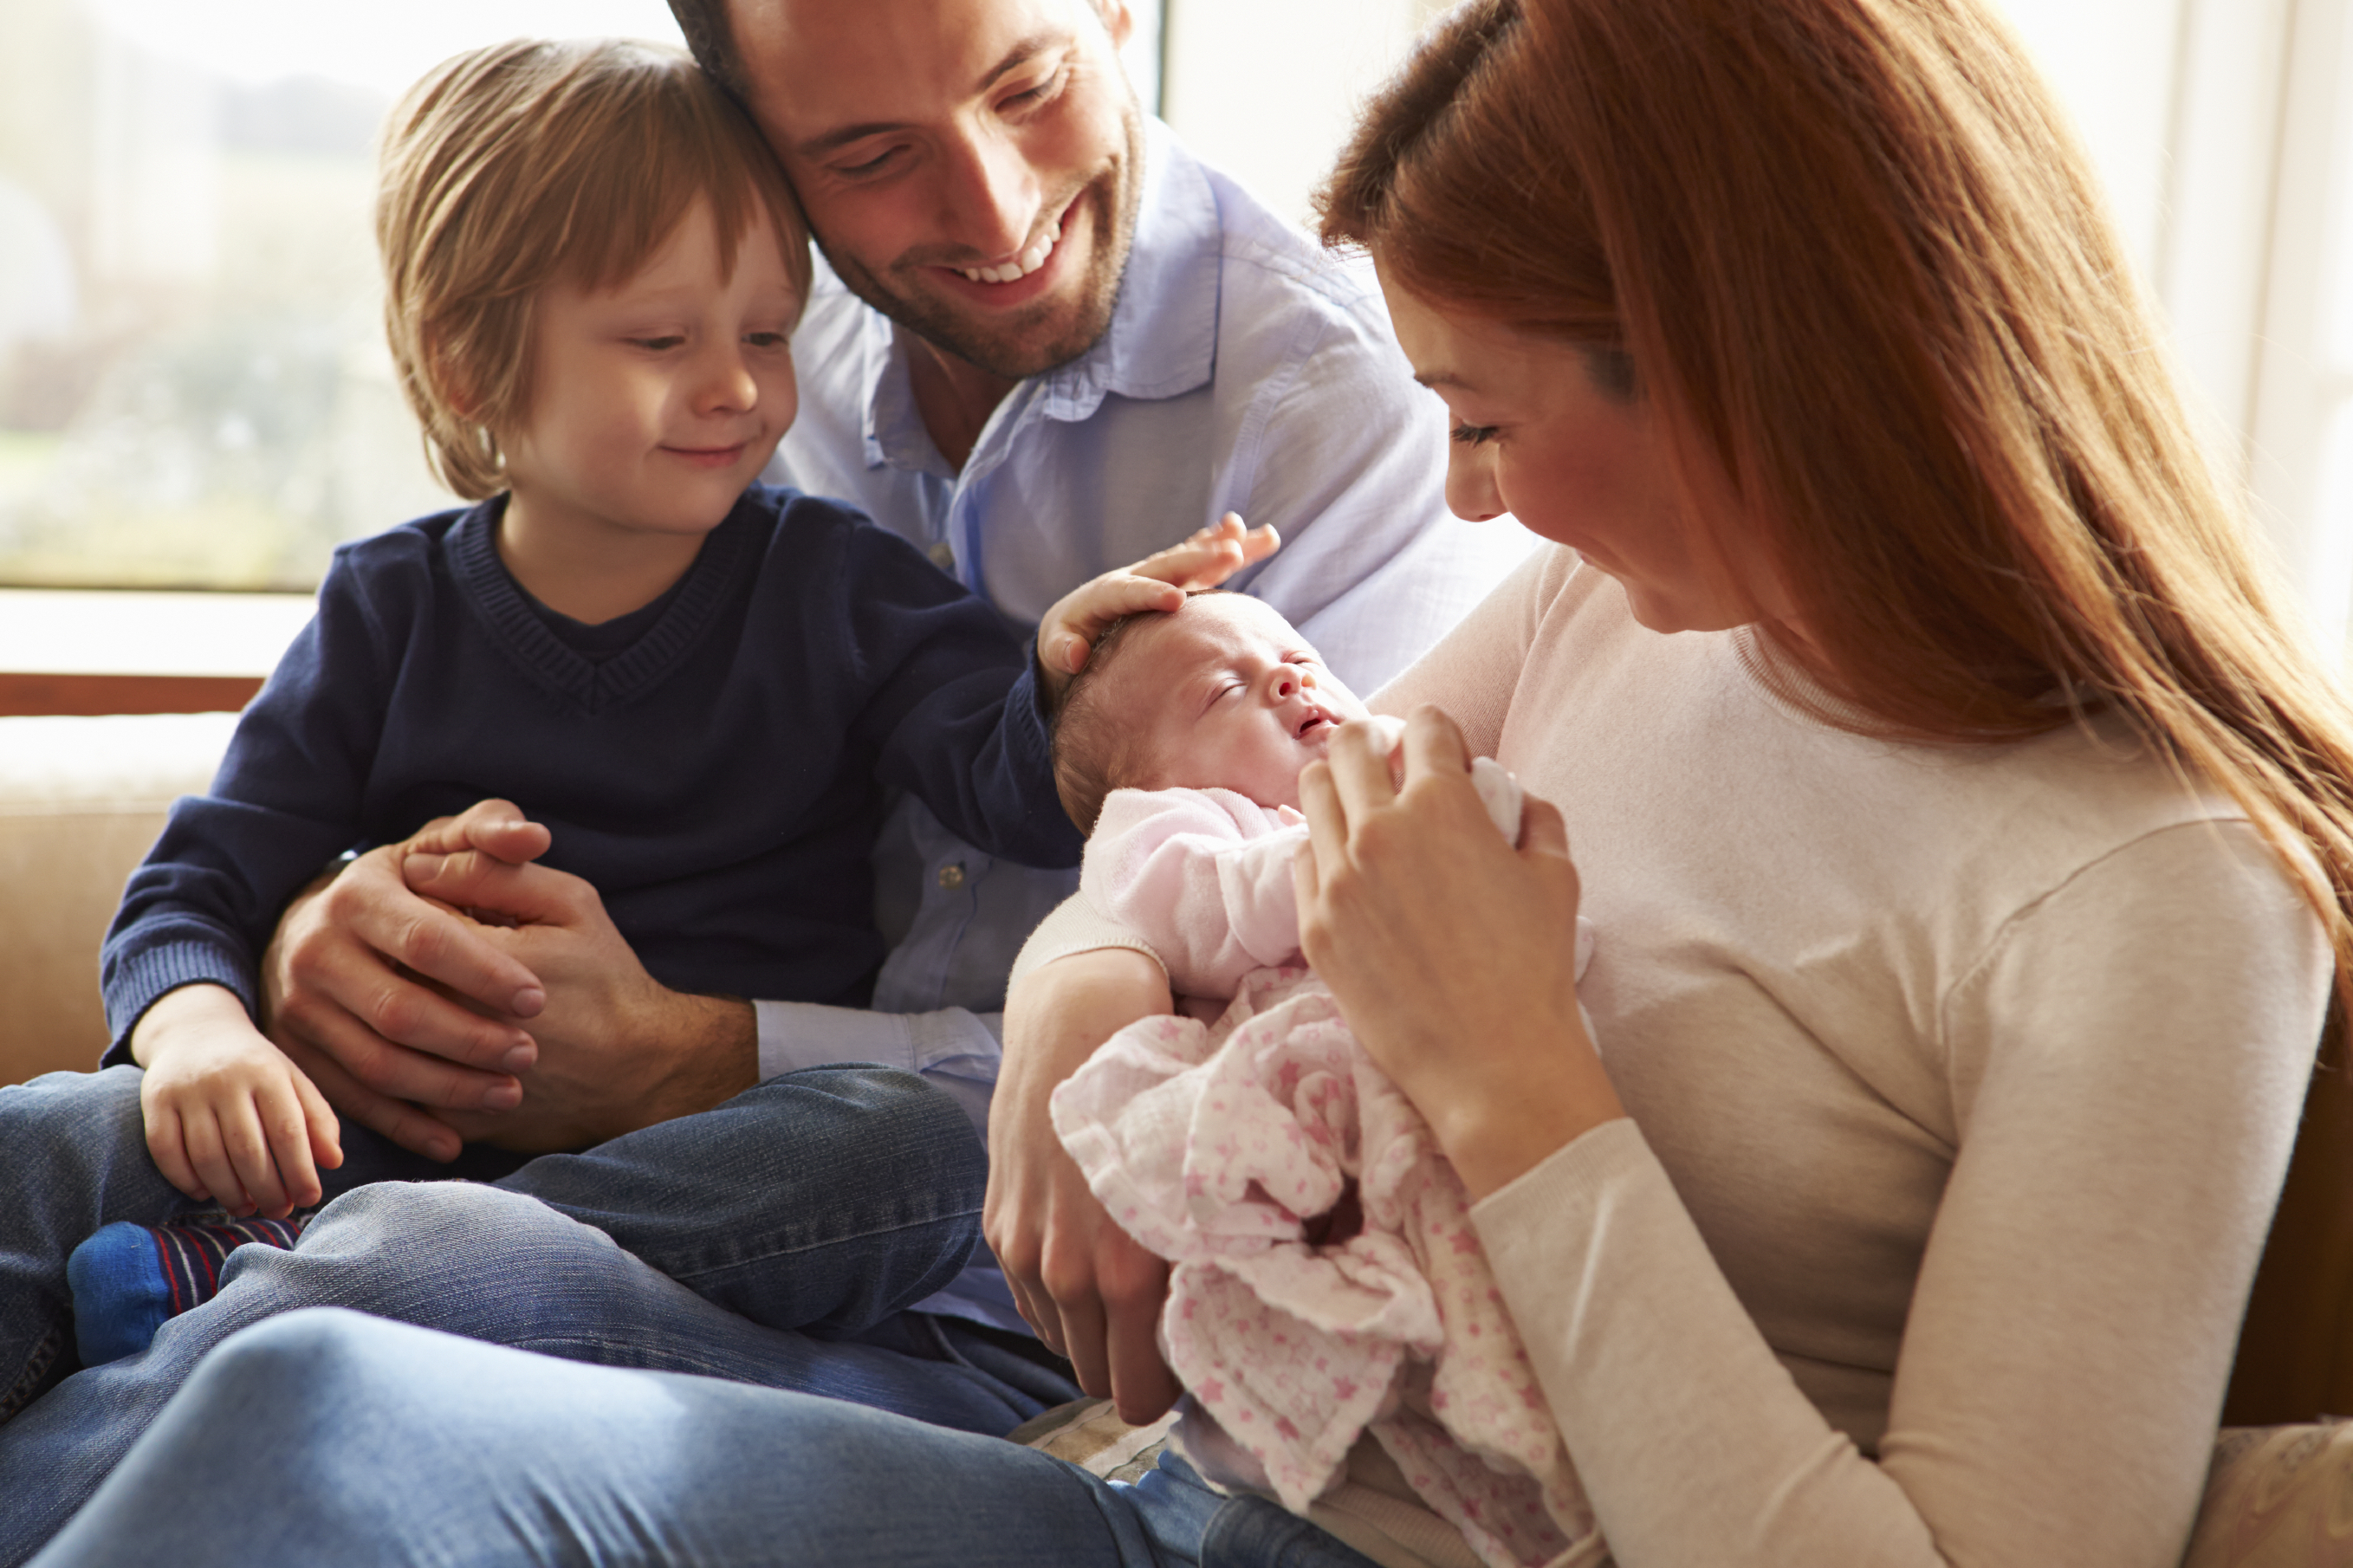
x,y
245,1133
321,1128
169,1150
286,1119
212,1166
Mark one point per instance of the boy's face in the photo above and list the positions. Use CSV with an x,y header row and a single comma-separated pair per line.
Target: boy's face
x,y
972,167
1227,696
655,403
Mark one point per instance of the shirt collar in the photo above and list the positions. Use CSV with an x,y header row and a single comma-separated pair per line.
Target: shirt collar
x,y
1163,337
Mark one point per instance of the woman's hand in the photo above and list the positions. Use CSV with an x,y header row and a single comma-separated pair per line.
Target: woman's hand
x,y
1450,950
1068,633
1089,1289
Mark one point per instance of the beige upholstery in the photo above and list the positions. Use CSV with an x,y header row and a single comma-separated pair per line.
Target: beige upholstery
x,y
80,800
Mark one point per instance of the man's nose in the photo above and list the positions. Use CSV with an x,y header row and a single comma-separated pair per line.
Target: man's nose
x,y
991,194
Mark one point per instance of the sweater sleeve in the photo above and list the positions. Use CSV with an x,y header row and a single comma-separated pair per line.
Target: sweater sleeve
x,y
286,801
2127,1063
952,708
1211,892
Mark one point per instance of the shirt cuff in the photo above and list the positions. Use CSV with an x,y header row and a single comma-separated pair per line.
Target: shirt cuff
x,y
953,1050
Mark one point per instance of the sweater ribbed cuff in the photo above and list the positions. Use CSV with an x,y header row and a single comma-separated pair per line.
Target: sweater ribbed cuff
x,y
139,980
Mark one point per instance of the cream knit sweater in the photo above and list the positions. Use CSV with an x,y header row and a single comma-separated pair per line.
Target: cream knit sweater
x,y
1961,1083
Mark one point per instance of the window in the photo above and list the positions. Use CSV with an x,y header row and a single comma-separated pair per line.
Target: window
x,y
193,386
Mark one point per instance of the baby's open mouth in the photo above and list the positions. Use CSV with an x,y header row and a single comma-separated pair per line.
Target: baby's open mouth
x,y
1315,723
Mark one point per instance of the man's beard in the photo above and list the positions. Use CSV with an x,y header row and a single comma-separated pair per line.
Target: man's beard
x,y
1004,347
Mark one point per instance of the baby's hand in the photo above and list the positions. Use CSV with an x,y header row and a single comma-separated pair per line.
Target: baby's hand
x,y
230,1120
1157,581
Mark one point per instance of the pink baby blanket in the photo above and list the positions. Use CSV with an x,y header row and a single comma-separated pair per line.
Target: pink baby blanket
x,y
1325,1278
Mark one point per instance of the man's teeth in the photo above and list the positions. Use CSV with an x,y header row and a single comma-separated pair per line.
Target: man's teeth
x,y
1023,265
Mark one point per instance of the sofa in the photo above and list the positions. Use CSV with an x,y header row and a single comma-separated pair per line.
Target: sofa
x,y
82,798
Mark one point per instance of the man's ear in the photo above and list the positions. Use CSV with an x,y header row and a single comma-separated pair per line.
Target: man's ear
x,y
1118,21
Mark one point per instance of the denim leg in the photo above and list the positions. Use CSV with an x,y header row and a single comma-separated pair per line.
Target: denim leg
x,y
375,1443
473,1260
77,1152
828,1198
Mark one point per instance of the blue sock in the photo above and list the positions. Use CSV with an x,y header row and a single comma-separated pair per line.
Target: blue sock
x,y
129,1280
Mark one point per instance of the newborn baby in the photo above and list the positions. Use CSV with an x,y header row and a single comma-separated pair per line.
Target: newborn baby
x,y
1325,1278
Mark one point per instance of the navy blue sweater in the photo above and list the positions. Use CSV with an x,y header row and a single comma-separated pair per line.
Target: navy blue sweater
x,y
719,778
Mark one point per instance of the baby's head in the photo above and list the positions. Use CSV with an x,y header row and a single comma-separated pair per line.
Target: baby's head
x,y
517,168
1222,694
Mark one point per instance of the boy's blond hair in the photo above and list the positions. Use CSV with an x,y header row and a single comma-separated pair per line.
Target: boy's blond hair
x,y
515,167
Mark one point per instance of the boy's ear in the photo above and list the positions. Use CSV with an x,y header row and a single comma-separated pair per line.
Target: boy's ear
x,y
450,383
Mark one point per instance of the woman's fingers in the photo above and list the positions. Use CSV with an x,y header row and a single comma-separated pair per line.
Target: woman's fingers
x,y
1434,745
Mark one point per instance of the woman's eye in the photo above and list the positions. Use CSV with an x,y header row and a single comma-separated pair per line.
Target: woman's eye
x,y
1474,434
656,345
873,165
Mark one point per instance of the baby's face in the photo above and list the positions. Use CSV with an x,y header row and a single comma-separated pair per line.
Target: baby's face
x,y
1228,697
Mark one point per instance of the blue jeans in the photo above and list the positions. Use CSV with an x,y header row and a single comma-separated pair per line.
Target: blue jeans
x,y
773,1241
326,1437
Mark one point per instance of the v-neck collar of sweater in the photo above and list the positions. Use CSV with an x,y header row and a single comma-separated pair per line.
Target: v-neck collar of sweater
x,y
515,627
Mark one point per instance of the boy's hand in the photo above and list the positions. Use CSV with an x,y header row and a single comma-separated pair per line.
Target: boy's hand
x,y
230,1119
1067,632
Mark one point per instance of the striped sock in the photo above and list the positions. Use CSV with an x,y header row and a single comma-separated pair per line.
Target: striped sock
x,y
129,1280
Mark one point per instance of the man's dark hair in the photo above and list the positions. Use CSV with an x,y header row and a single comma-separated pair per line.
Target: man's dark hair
x,y
712,43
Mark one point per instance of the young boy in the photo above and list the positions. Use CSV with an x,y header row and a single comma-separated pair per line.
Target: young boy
x,y
700,687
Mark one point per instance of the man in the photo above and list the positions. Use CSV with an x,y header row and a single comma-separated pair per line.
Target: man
x,y
1057,344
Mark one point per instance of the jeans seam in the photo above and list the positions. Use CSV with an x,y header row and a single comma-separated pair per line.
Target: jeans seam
x,y
682,1275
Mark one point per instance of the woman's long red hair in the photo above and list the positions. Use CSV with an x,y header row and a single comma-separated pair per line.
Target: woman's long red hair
x,y
1862,269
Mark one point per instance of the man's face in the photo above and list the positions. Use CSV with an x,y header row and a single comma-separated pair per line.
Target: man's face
x,y
972,167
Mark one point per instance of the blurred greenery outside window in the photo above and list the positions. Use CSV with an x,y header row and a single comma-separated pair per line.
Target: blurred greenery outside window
x,y
194,387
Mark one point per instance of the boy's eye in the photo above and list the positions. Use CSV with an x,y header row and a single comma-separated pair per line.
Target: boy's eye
x,y
656,345
1474,434
767,340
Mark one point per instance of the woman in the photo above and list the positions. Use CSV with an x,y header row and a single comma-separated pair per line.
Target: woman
x,y
1966,894
1970,872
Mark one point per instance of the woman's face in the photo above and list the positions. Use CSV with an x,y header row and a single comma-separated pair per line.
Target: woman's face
x,y
1588,465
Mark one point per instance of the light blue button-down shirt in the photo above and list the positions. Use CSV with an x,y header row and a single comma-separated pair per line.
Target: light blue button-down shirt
x,y
1245,370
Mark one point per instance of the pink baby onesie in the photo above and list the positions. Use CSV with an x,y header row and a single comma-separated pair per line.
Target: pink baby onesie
x,y
1246,1151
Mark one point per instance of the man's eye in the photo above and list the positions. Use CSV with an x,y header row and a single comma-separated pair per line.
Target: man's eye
x,y
1474,434
1043,91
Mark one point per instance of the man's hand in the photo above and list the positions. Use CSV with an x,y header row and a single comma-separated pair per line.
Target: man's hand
x,y
616,1050
230,1119
1084,1285
361,988
1210,555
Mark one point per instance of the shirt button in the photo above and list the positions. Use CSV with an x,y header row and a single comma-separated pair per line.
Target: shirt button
x,y
951,877
942,556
